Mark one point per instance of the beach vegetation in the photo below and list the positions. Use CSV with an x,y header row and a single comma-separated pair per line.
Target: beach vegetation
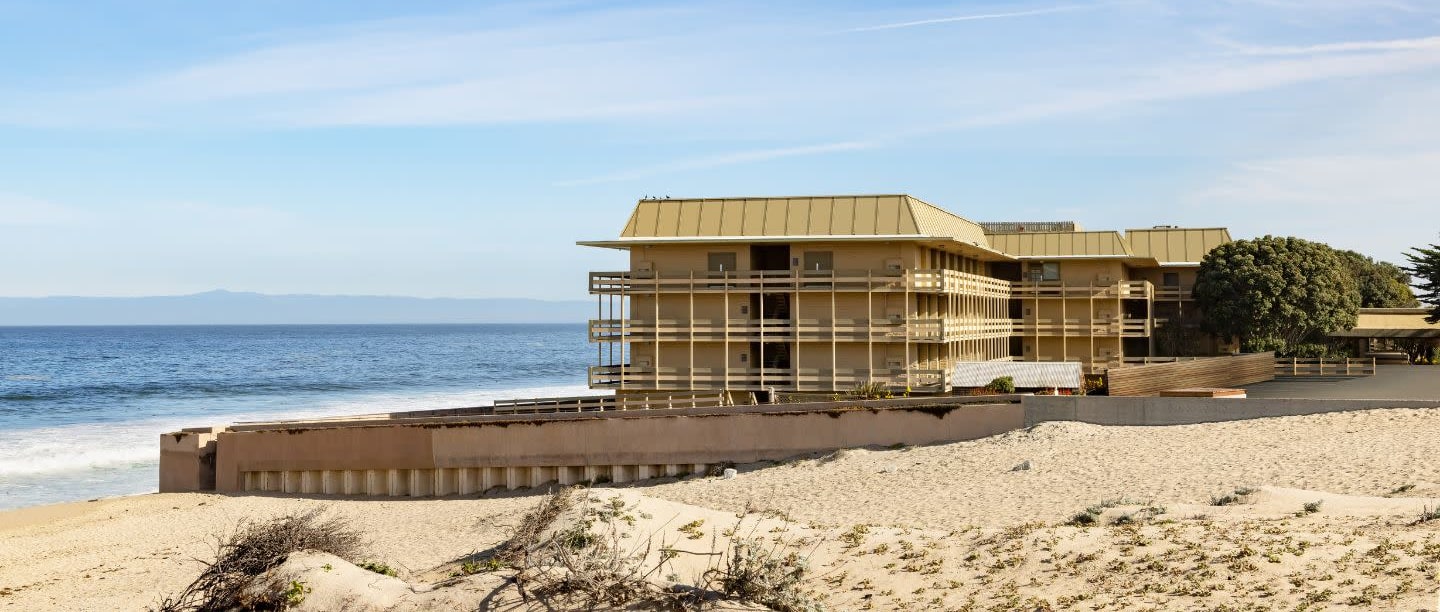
x,y
1240,495
871,390
377,567
294,595
244,556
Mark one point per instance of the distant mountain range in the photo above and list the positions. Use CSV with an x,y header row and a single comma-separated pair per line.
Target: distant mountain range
x,y
236,308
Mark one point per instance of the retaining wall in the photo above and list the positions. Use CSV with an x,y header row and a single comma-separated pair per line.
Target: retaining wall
x,y
441,458
1189,410
445,455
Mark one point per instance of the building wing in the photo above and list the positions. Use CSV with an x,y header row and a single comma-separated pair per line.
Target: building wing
x,y
1176,246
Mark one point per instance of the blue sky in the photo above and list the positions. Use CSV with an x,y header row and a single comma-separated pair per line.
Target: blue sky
x,y
459,149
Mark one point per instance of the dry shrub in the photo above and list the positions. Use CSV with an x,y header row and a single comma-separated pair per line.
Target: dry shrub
x,y
587,564
241,558
584,564
765,575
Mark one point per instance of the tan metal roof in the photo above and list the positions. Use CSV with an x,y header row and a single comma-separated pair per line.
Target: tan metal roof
x,y
1062,244
1392,323
1176,245
806,216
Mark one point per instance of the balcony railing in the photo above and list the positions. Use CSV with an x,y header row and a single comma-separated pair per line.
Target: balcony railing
x,y
804,330
1112,327
1131,289
884,281
756,379
1174,294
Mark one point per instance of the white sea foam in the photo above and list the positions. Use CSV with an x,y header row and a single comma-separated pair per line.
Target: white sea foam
x,y
135,444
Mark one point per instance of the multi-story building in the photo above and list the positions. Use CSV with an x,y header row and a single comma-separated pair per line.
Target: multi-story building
x,y
825,293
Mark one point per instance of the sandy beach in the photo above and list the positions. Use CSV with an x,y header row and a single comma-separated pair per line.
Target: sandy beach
x,y
952,526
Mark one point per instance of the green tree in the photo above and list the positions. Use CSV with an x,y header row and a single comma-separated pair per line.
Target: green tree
x,y
1425,268
1275,292
1381,284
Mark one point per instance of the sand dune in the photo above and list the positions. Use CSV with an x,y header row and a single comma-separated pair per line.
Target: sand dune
x,y
951,526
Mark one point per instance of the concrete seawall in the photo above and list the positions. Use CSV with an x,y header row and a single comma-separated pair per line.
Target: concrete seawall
x,y
1142,411
463,457
435,454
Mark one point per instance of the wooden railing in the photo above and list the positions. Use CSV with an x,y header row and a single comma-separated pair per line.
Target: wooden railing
x,y
1173,294
599,403
883,281
1302,366
809,330
783,379
1133,289
1112,327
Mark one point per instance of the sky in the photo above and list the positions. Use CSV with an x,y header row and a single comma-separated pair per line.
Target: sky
x,y
460,149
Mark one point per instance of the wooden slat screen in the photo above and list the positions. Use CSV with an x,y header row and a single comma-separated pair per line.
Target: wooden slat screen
x,y
1234,371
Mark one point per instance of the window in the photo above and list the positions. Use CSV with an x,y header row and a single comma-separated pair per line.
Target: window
x,y
1047,271
721,262
819,260
1172,279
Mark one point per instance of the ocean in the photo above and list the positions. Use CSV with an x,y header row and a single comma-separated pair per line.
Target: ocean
x,y
82,408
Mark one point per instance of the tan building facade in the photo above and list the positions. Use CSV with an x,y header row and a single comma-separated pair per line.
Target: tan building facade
x,y
821,294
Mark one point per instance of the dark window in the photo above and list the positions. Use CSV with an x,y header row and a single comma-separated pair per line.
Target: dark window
x,y
819,260
721,262
1048,271
1172,279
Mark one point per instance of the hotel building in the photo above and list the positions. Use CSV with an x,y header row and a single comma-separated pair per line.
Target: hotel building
x,y
821,294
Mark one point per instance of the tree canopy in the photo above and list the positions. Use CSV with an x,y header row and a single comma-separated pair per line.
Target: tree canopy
x,y
1275,291
1381,284
1425,267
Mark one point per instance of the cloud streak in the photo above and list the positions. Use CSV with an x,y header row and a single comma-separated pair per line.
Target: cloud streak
x,y
979,17
725,159
1399,44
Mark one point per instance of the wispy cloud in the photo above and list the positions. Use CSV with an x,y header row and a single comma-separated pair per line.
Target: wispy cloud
x,y
977,17
725,159
1399,44
1178,83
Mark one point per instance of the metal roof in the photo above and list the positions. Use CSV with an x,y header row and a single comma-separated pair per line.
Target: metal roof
x,y
1062,244
874,215
801,218
1026,374
1176,245
1391,323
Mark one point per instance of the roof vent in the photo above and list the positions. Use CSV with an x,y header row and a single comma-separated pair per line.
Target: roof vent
x,y
1166,227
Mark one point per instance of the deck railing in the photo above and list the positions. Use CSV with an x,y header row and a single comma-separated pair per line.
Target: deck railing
x,y
805,330
1173,293
759,379
1129,289
1100,328
600,403
882,281
1302,366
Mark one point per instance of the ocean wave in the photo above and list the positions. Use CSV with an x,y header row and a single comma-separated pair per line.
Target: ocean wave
x,y
84,447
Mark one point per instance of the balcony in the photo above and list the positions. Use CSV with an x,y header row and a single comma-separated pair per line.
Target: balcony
x,y
757,379
923,330
1124,290
1099,328
1174,294
941,282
